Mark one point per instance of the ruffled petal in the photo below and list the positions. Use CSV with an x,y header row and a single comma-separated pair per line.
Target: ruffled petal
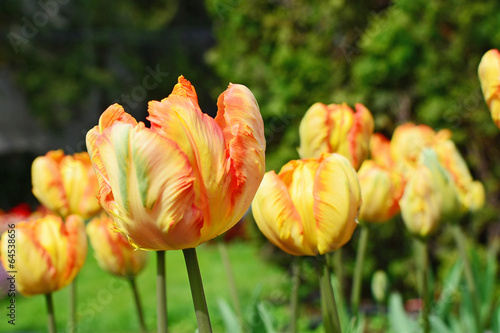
x,y
179,119
152,183
241,123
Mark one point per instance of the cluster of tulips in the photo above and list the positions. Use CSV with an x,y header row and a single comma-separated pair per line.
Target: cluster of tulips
x,y
189,178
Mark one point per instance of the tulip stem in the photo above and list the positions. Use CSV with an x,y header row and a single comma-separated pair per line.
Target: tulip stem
x,y
460,240
233,291
338,267
161,293
72,306
197,292
50,313
137,300
294,302
423,260
331,320
358,271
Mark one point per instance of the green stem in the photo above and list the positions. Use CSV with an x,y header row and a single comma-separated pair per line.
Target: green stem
x,y
72,306
358,272
138,305
338,268
294,302
328,306
199,301
423,260
161,293
469,277
233,291
50,313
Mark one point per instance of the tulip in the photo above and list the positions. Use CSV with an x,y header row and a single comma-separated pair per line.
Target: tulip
x,y
66,184
182,182
381,190
49,253
112,250
114,254
489,75
336,128
310,207
188,178
430,196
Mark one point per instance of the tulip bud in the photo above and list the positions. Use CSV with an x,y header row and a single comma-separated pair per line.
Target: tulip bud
x,y
380,286
430,196
188,178
381,190
336,128
112,250
66,184
489,75
49,253
310,207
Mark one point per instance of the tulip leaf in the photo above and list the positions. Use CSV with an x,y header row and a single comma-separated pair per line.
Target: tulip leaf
x,y
228,316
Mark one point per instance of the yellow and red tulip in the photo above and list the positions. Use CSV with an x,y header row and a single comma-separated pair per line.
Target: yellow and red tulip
x,y
310,207
112,250
49,253
489,75
381,189
188,178
66,184
336,128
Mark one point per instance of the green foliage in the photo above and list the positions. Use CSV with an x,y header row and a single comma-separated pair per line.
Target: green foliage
x,y
452,311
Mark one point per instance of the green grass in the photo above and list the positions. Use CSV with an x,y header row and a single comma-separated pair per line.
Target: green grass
x,y
105,302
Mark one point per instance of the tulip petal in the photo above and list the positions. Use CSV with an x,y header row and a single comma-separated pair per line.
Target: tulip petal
x,y
314,142
337,201
179,118
243,128
112,114
277,217
48,184
299,176
152,183
489,75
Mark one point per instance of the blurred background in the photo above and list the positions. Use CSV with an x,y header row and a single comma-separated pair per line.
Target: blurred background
x,y
63,62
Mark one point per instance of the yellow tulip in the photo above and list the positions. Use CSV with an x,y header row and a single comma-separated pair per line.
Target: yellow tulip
x,y
310,207
381,189
188,178
49,253
112,250
489,75
66,184
336,128
430,196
